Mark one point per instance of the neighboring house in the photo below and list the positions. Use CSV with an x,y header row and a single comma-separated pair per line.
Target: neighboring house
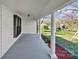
x,y
28,12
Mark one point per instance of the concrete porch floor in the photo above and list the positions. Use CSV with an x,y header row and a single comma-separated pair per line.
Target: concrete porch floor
x,y
28,46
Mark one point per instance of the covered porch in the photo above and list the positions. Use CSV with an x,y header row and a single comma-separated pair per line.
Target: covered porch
x,y
28,43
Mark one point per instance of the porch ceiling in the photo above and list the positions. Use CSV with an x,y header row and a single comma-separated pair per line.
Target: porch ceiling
x,y
36,8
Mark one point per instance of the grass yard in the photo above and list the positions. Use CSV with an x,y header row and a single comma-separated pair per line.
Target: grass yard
x,y
67,35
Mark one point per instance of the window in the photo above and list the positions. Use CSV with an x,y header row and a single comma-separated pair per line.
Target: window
x,y
17,25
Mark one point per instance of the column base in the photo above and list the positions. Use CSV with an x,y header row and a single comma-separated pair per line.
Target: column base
x,y
53,56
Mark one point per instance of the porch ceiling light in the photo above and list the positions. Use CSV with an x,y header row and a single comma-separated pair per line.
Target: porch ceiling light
x,y
28,15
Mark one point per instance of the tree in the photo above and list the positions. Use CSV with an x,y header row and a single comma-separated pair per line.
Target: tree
x,y
70,19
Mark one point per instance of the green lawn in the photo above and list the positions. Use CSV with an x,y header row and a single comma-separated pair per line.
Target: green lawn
x,y
67,35
64,39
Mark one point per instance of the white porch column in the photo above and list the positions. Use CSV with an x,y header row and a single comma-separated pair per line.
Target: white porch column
x,y
39,28
53,30
38,25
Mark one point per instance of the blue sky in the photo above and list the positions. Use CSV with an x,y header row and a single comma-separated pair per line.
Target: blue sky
x,y
75,4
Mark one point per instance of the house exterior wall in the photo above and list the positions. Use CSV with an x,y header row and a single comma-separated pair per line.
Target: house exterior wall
x,y
0,31
6,28
29,26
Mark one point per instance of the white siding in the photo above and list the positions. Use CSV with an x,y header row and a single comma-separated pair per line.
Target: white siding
x,y
0,31
29,26
7,29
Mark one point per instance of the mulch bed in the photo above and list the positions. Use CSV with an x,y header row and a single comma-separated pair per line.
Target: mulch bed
x,y
62,53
